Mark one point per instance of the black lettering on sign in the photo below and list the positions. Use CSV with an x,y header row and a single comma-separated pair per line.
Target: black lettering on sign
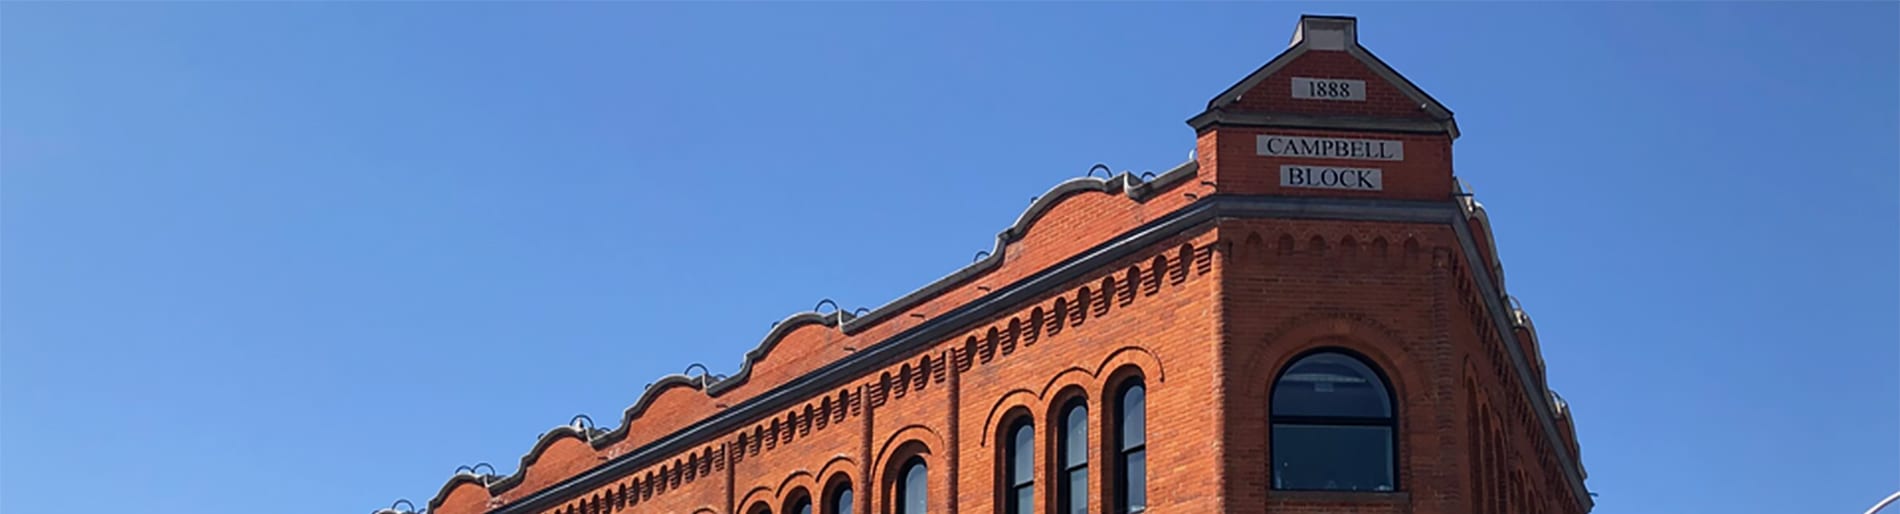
x,y
1329,89
1327,177
1329,147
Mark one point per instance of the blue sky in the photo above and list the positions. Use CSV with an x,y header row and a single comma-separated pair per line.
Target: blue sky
x,y
310,257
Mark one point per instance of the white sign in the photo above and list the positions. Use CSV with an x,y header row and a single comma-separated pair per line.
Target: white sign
x,y
1329,148
1329,89
1328,177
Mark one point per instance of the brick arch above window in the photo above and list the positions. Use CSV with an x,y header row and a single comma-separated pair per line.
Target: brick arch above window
x,y
1379,345
1004,410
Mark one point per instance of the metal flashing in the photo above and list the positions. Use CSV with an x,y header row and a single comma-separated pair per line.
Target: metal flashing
x,y
1222,116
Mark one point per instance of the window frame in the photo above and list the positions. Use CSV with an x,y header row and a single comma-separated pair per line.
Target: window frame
x,y
834,497
1122,451
840,486
1012,479
1390,421
1066,495
901,502
799,498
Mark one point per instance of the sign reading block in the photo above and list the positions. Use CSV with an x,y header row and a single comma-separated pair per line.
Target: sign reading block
x,y
1328,177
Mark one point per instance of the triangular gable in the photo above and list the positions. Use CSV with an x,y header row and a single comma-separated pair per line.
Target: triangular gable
x,y
1328,34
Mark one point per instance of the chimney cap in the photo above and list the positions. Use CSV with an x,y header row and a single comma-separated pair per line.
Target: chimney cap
x,y
1321,32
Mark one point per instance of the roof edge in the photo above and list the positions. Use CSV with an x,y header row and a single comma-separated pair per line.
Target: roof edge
x,y
713,386
1222,117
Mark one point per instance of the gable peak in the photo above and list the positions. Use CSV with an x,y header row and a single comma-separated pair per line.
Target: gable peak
x,y
1323,79
1326,32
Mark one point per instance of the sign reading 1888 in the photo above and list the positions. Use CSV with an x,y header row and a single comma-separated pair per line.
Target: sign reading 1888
x,y
1330,148
1329,89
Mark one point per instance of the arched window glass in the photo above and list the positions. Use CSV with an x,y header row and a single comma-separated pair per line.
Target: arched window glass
x,y
1072,495
913,493
802,505
1333,427
1019,469
1131,448
841,500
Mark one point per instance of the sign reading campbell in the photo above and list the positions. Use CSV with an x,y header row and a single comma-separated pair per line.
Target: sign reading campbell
x,y
1330,148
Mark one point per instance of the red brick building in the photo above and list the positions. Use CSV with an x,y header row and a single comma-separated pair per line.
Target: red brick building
x,y
1308,316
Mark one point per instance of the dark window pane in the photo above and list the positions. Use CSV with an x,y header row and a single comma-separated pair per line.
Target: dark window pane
x,y
1135,486
1021,472
1023,454
1075,439
841,502
1330,457
1134,420
801,507
915,492
1330,384
1077,497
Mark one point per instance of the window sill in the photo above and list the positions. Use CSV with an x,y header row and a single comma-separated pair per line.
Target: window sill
x,y
1394,497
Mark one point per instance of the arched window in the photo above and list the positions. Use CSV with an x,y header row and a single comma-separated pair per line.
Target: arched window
x,y
1131,448
1072,446
759,508
841,500
913,492
1333,427
800,504
1019,470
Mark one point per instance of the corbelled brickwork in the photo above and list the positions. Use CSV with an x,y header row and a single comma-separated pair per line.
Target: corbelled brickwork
x,y
1204,283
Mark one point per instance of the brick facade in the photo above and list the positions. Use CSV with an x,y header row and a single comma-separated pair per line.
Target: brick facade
x,y
1203,282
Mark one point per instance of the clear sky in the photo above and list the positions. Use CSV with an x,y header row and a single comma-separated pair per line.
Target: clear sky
x,y
310,257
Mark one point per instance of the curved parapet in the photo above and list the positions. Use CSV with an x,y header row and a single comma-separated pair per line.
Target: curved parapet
x,y
1481,227
1527,333
677,383
780,332
799,343
465,492
1569,426
1126,183
541,446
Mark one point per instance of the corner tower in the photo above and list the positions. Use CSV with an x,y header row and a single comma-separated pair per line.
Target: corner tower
x,y
1371,359
1327,118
